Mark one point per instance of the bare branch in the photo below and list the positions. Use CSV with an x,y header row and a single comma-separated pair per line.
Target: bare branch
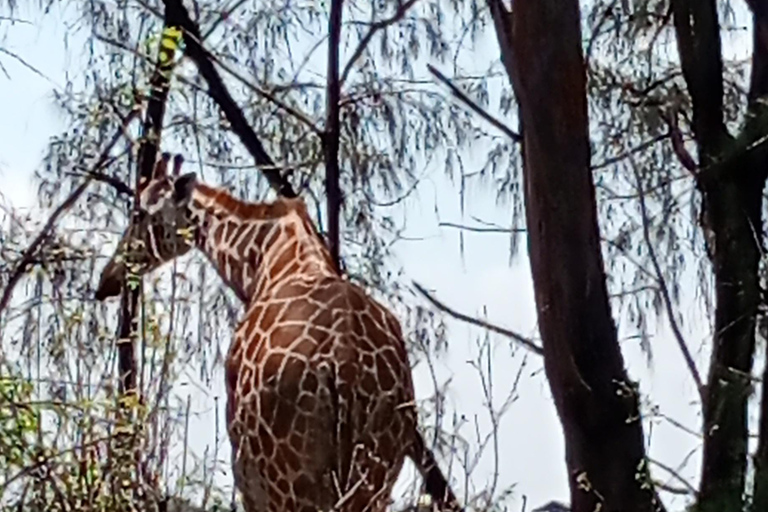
x,y
474,106
31,251
671,489
375,27
526,342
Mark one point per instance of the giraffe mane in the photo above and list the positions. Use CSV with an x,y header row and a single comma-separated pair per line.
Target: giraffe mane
x,y
223,200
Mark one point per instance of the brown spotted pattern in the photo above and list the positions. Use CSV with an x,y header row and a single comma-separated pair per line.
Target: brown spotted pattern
x,y
320,408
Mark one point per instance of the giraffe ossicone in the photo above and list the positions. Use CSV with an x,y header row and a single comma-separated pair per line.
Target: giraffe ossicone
x,y
320,400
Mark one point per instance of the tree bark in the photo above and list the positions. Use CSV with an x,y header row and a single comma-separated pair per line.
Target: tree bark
x,y
596,402
756,128
731,181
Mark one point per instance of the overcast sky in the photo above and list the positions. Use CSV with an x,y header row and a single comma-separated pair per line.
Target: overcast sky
x,y
531,446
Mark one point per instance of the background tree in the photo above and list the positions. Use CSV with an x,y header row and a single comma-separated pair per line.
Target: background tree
x,y
730,179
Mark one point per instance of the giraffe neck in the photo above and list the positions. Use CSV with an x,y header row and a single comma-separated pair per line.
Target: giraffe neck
x,y
257,246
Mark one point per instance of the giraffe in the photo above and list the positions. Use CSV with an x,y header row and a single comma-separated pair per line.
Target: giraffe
x,y
320,402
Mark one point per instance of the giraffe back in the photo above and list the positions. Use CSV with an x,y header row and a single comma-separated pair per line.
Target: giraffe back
x,y
320,400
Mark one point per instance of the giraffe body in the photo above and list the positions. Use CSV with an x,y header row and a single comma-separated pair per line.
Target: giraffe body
x,y
320,401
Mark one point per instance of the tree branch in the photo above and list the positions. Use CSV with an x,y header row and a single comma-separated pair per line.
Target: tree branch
x,y
374,28
477,229
119,185
332,133
178,15
678,144
665,291
300,116
675,475
698,39
526,342
629,152
29,254
461,95
159,85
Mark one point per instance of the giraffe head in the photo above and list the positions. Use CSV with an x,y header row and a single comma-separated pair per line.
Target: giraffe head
x,y
162,230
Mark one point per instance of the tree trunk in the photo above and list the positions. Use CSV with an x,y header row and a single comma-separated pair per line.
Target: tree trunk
x,y
596,402
731,181
757,129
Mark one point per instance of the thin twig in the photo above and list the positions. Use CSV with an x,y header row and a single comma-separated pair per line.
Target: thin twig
x,y
27,65
665,290
374,28
671,489
461,95
628,153
675,475
31,251
481,230
527,343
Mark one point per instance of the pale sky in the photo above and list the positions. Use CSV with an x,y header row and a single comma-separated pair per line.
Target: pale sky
x,y
531,445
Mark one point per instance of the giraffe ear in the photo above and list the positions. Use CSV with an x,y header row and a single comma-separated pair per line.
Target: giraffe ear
x,y
161,167
183,186
177,161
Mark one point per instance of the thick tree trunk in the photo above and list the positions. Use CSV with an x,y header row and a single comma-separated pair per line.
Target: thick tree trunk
x,y
595,400
731,181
